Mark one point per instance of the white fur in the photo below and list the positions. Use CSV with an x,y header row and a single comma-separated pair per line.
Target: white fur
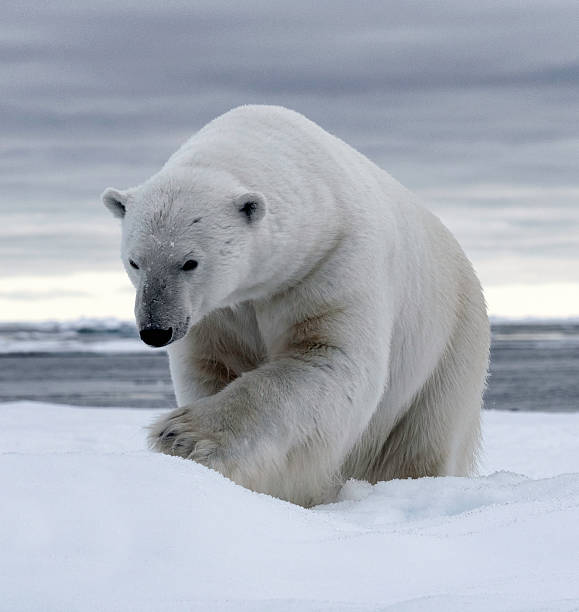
x,y
341,333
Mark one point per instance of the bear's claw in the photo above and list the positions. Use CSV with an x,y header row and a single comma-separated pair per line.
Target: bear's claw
x,y
177,434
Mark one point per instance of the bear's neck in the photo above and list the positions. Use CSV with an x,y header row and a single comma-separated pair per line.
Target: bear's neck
x,y
298,239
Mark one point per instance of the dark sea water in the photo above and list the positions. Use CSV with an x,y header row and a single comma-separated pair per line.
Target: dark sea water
x,y
534,367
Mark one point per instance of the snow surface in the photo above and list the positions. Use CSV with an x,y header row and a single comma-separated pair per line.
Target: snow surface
x,y
91,520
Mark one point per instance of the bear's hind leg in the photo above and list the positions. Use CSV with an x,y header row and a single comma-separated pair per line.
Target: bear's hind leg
x,y
430,440
439,434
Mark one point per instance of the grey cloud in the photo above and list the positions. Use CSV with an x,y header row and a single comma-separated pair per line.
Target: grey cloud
x,y
443,95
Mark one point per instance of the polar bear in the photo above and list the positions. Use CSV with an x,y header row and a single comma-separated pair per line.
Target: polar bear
x,y
321,324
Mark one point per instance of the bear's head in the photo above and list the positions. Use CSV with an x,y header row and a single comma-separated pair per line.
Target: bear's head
x,y
190,244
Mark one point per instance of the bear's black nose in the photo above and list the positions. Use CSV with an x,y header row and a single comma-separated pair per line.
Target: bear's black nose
x,y
155,336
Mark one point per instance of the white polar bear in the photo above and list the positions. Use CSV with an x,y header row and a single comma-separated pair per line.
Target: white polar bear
x,y
321,324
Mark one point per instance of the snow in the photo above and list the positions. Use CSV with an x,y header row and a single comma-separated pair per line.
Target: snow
x,y
91,520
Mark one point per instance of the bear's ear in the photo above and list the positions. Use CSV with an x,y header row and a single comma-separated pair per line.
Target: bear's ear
x,y
115,201
251,206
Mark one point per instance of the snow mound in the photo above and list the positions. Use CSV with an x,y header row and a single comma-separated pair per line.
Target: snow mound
x,y
90,520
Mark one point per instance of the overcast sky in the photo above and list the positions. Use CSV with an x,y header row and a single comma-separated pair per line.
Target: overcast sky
x,y
474,105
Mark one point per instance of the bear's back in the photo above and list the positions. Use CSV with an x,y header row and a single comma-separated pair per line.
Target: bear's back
x,y
266,133
275,146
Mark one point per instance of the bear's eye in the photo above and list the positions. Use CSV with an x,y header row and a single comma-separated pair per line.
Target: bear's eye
x,y
133,264
248,209
190,264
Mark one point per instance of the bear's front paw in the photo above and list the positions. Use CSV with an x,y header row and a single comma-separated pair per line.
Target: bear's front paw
x,y
183,433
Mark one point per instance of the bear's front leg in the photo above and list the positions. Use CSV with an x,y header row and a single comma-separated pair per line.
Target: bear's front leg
x,y
285,427
193,432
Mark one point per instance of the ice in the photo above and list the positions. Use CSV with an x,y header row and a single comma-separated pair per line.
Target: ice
x,y
80,335
91,520
70,345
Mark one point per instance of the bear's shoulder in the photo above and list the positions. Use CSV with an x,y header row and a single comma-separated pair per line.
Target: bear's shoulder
x,y
249,135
